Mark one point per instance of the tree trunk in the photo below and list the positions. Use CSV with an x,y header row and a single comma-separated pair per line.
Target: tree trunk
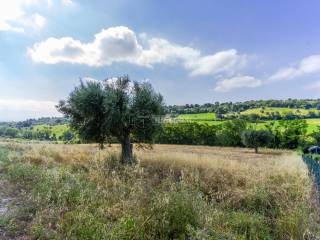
x,y
126,150
101,146
256,149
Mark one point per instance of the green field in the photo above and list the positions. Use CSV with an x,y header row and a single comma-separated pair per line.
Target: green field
x,y
263,112
313,124
198,116
210,118
58,130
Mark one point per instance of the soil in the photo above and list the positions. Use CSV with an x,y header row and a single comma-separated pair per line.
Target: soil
x,y
9,203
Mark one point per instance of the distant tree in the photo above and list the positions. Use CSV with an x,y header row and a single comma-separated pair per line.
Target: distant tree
x,y
27,134
11,132
119,108
256,138
229,133
316,137
67,135
288,133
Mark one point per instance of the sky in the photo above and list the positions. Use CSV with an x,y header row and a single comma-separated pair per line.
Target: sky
x,y
190,51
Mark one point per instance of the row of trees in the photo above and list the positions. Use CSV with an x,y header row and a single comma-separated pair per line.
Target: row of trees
x,y
230,107
269,116
235,133
45,134
238,133
29,123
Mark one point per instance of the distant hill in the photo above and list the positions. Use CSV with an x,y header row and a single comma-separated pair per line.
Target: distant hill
x,y
51,121
237,107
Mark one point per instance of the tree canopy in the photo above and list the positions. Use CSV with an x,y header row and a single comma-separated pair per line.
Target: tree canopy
x,y
118,107
256,138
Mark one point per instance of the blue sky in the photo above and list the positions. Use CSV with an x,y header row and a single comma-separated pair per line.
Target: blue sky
x,y
195,52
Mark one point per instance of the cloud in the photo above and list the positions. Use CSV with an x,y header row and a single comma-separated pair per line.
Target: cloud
x,y
162,51
17,15
229,84
121,44
14,15
66,2
308,65
20,109
225,61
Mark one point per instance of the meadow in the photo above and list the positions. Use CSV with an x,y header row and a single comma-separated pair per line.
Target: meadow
x,y
197,116
209,118
263,112
173,192
57,129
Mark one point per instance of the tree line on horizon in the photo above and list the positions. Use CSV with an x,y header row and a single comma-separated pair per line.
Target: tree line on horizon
x,y
237,107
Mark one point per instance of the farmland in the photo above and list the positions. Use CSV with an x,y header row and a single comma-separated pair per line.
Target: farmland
x,y
282,111
55,130
210,118
204,118
79,192
197,116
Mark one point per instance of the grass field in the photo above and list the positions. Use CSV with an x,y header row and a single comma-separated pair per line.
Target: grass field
x,y
198,116
174,192
58,130
282,111
209,118
313,124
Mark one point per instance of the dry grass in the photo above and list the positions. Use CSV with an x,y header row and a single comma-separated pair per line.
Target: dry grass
x,y
224,175
234,189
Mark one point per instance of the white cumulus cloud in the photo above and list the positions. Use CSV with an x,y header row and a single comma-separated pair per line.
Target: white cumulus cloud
x,y
236,82
17,15
225,61
121,44
308,65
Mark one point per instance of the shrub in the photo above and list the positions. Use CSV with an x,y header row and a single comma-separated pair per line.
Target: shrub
x,y
256,138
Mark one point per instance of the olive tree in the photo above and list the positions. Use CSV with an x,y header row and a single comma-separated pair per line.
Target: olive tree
x,y
118,107
256,138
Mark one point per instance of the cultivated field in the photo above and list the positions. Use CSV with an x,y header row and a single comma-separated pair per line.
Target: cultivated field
x,y
209,118
198,116
79,192
263,112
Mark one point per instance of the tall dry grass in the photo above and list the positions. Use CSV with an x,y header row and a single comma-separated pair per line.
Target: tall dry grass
x,y
173,191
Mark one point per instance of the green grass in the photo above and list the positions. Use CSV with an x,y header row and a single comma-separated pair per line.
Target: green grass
x,y
210,118
313,124
260,111
282,111
58,130
198,116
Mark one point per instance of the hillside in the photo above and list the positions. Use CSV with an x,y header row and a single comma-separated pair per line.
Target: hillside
x,y
197,117
210,118
234,107
265,111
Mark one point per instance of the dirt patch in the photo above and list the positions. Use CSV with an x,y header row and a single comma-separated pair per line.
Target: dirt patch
x,y
9,205
5,208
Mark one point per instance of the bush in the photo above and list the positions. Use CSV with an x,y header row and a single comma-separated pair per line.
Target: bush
x,y
256,138
175,210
